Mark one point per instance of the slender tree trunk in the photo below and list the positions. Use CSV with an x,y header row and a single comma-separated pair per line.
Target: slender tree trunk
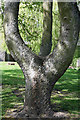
x,y
42,74
46,43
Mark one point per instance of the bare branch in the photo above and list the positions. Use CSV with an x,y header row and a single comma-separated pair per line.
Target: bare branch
x,y
20,52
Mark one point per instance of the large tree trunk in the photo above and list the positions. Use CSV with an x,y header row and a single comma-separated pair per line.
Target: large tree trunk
x,y
37,98
41,73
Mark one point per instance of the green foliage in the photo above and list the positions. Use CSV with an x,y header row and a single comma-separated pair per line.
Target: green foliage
x,y
77,52
56,25
76,57
31,24
1,15
3,46
74,62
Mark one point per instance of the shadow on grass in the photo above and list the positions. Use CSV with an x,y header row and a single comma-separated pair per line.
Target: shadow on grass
x,y
69,81
12,80
65,96
13,77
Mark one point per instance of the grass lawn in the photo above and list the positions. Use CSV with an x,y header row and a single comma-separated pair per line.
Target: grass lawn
x,y
65,96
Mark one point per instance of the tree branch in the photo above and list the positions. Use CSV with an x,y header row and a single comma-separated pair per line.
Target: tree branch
x,y
57,63
47,30
20,52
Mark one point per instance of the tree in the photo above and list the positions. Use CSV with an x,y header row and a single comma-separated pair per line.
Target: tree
x,y
42,71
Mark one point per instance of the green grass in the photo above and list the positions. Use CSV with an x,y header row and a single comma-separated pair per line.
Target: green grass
x,y
65,96
12,79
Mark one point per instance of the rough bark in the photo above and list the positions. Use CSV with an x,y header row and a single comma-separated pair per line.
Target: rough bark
x,y
42,74
46,43
62,55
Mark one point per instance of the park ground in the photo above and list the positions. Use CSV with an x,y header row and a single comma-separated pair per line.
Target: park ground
x,y
64,98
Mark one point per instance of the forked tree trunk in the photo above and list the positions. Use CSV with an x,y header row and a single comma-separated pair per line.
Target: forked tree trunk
x,y
41,73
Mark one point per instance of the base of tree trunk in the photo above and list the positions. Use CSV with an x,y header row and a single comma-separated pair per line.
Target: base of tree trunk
x,y
23,115
56,115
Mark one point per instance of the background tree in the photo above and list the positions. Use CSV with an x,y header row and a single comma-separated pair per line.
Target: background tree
x,y
42,72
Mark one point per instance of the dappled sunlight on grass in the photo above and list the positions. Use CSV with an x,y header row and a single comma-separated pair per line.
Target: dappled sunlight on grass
x,y
65,95
12,81
69,81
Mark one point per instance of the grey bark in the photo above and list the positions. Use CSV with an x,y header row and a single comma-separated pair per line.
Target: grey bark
x,y
42,74
46,43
